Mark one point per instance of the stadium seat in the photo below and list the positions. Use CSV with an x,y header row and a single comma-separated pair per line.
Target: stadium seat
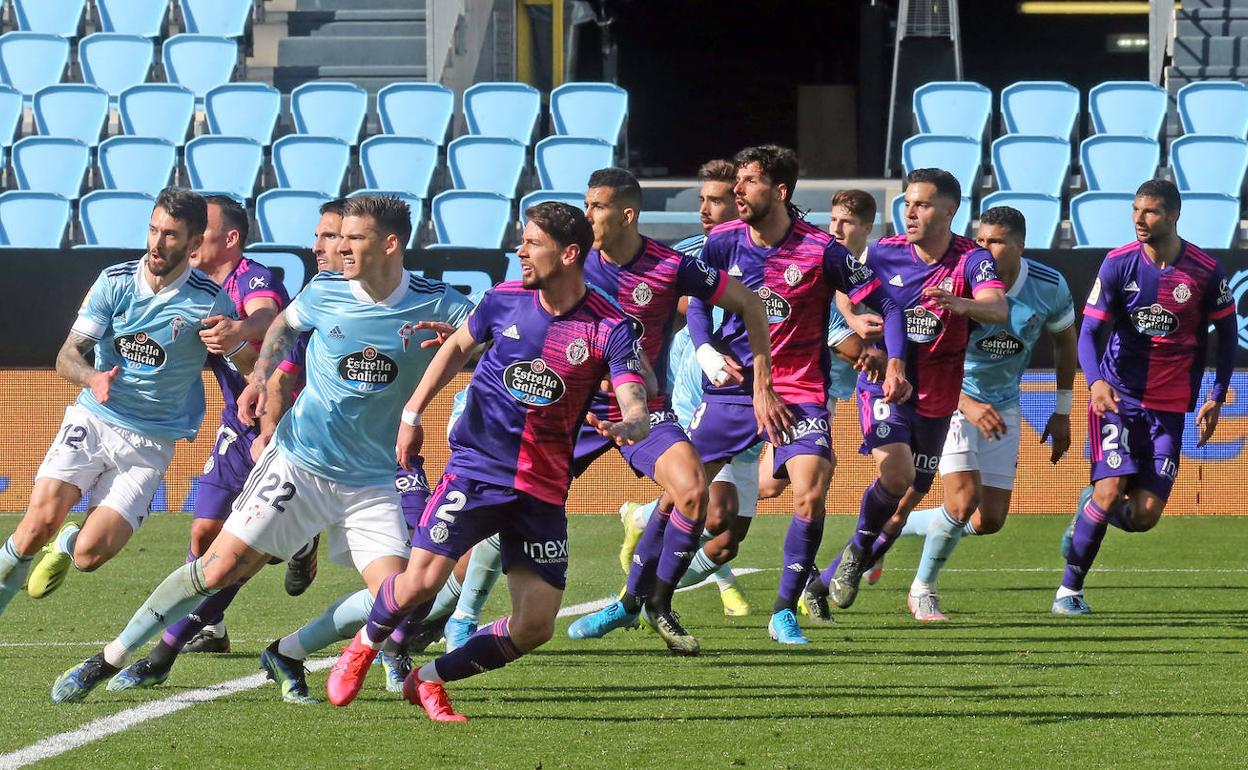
x,y
595,110
1118,163
1025,163
961,218
30,61
959,155
573,199
421,110
74,110
669,226
321,108
52,17
1042,212
1127,107
199,62
133,17
953,108
488,163
158,110
1210,220
51,164
311,163
227,18
137,164
1209,163
33,220
289,217
226,164
469,282
115,62
1102,219
413,202
243,109
115,219
10,115
507,110
1216,107
565,162
399,163
471,219
1040,107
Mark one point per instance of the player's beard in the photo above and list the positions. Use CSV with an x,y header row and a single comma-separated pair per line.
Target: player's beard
x,y
755,214
169,262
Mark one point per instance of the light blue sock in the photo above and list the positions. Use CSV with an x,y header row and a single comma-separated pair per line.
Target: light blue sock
x,y
969,529
484,567
643,513
340,620
920,521
724,577
446,600
13,570
942,538
176,596
699,569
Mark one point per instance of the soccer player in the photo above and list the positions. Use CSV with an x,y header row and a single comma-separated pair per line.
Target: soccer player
x,y
144,393
980,456
1158,296
944,282
554,339
330,464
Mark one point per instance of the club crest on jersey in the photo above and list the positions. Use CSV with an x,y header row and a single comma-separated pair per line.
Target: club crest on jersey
x,y
1094,296
178,324
257,282
777,307
405,333
578,352
642,294
533,383
1154,320
1182,293
947,284
922,325
1000,345
369,370
792,275
144,353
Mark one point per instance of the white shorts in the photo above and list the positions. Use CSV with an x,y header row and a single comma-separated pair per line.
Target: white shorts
x,y
743,474
118,468
282,507
966,449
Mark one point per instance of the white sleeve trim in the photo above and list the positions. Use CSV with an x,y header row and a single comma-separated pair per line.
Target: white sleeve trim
x,y
1063,323
293,319
89,327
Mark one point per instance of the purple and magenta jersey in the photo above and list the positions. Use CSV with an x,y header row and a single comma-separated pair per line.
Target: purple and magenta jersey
x,y
648,290
938,337
1161,318
532,387
249,280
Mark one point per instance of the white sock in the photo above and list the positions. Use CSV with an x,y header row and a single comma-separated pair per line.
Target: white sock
x,y
291,648
1063,592
116,654
918,588
724,578
429,673
216,629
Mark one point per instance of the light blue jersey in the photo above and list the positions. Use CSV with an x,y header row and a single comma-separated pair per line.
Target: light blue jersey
x,y
363,361
844,378
998,354
154,338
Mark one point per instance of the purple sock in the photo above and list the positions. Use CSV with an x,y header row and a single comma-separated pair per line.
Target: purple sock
x,y
680,545
1120,516
489,648
386,614
1089,532
406,628
877,508
209,612
646,557
881,546
801,545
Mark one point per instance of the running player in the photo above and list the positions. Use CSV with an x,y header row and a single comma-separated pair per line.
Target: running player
x,y
1158,296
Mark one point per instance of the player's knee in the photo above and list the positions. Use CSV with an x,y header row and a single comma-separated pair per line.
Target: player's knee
x,y
770,488
719,518
896,477
691,501
219,573
1146,513
990,525
722,551
89,557
963,506
530,633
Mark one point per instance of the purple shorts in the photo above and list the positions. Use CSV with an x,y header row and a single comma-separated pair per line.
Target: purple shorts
x,y
462,512
884,424
721,430
225,473
1138,442
413,489
665,431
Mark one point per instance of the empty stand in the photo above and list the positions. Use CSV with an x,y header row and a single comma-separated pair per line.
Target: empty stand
x,y
421,110
1102,219
491,164
115,219
243,109
1043,214
30,61
199,62
115,62
1127,107
1214,107
311,163
137,164
952,108
467,218
1209,163
51,164
226,18
1118,163
10,115
289,217
506,110
574,199
1210,220
228,164
133,17
73,110
594,110
1044,108
1025,163
565,162
959,155
159,110
33,220
54,17
330,109
399,163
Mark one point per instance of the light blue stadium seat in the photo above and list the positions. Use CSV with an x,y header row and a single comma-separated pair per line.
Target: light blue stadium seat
x,y
1024,163
1209,163
243,109
227,18
1040,107
1214,107
959,155
226,164
1118,163
1127,107
54,17
159,110
115,219
399,163
421,110
289,217
1210,220
488,163
472,219
953,108
30,61
1102,219
10,115
133,17
507,110
574,199
1042,212
961,218
322,108
51,164
115,62
137,164
199,62
595,110
74,110
311,163
415,203
33,220
565,162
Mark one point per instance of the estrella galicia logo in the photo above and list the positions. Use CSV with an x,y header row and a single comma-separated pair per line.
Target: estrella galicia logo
x,y
144,353
533,383
922,325
1154,320
1000,345
777,307
369,370
1235,290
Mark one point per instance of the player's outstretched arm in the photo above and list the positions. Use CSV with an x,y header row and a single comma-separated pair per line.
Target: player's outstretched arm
x,y
634,424
1066,354
988,306
774,418
447,362
868,326
1228,342
72,364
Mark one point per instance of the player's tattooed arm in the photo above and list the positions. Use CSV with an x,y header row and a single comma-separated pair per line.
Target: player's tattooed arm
x,y
634,424
72,364
277,344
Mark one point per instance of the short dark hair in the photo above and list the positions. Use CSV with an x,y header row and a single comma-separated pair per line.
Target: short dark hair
x,y
233,214
858,203
1164,190
185,206
947,185
336,206
1007,217
391,213
778,163
566,224
718,170
621,181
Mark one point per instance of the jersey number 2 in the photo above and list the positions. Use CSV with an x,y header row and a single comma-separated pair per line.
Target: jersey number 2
x,y
271,485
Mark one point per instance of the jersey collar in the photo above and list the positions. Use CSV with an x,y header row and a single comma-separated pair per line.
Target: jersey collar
x,y
393,300
1017,288
144,288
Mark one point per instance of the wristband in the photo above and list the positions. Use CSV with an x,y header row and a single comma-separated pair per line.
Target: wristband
x,y
1065,402
410,418
712,363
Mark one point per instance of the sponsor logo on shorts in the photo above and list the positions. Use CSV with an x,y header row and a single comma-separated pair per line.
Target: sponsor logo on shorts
x,y
439,532
533,383
643,294
209,465
805,427
142,351
1154,321
793,275
697,416
1169,469
1000,345
1182,293
1114,460
369,370
777,307
410,483
577,352
660,416
926,463
922,325
548,552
